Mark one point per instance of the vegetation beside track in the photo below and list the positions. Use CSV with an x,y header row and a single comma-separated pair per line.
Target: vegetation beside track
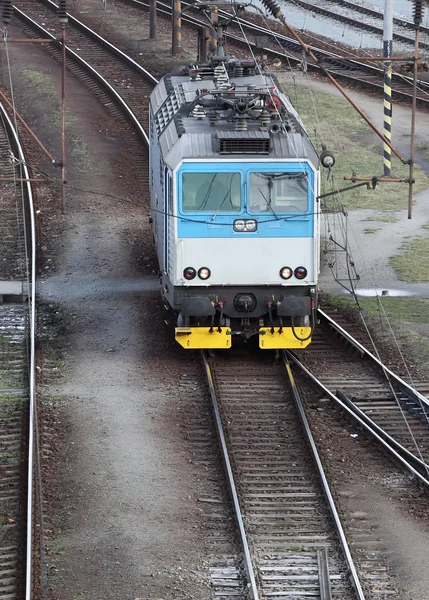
x,y
413,262
355,147
408,318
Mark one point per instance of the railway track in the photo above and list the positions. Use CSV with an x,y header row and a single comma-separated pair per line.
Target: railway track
x,y
14,407
283,516
390,407
278,487
119,82
352,72
290,544
16,367
365,19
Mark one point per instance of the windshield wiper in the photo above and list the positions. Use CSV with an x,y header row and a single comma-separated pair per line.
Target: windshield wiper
x,y
228,193
206,197
268,202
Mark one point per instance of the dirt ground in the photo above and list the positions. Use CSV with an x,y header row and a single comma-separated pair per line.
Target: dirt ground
x,y
122,491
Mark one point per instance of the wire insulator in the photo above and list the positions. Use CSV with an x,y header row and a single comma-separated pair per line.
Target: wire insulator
x,y
273,7
6,12
418,11
62,12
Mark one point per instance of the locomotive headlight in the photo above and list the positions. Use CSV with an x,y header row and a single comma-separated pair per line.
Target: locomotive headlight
x,y
245,225
300,272
189,273
286,273
204,273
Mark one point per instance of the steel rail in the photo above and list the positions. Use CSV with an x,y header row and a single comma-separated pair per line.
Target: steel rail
x,y
372,431
322,54
370,12
105,43
342,18
32,307
253,590
337,521
101,80
32,368
412,458
403,385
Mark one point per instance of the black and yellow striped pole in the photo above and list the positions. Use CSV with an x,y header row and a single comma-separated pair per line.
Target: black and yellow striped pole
x,y
213,30
177,27
387,53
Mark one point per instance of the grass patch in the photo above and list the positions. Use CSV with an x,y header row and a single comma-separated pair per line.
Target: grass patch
x,y
407,316
356,149
10,458
425,226
371,230
10,379
79,151
400,309
49,93
413,264
383,219
423,149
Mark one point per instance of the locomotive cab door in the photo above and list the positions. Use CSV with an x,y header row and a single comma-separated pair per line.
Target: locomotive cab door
x,y
167,212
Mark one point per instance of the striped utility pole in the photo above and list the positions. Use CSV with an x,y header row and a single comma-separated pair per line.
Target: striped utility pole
x,y
387,53
177,27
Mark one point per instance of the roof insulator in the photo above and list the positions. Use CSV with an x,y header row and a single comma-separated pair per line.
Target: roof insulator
x,y
7,12
62,12
272,7
198,112
417,12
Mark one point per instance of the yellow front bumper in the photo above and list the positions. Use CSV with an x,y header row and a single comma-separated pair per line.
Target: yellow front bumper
x,y
200,338
285,339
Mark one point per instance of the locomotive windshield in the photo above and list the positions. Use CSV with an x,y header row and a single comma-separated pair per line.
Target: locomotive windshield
x,y
278,192
211,192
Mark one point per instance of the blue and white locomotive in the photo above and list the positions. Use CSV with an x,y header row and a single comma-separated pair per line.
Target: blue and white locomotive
x,y
234,185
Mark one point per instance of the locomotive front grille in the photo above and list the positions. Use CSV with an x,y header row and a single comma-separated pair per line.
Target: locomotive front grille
x,y
244,142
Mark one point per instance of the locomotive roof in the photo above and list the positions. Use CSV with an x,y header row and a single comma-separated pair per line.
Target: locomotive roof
x,y
226,112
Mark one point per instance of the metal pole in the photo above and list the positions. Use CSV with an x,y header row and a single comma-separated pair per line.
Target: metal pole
x,y
213,31
26,127
63,121
417,21
277,13
220,48
387,53
152,19
202,46
177,27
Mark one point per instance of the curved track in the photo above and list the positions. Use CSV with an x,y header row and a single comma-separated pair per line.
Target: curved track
x,y
357,380
277,486
276,494
119,83
365,19
281,46
17,354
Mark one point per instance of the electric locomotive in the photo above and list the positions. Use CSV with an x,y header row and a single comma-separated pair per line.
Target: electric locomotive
x,y
234,185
